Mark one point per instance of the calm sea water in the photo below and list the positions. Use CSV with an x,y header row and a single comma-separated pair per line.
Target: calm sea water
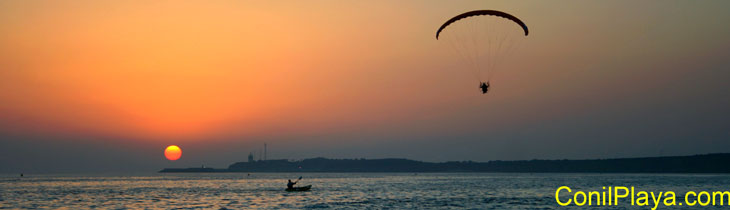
x,y
331,190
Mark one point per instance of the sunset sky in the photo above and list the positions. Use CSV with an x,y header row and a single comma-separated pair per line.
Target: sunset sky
x,y
107,85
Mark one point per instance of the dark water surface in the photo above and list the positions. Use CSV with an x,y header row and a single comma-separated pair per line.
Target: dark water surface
x,y
335,190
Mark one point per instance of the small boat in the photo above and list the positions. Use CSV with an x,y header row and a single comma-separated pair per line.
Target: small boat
x,y
305,188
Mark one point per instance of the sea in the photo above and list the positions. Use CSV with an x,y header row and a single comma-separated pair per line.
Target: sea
x,y
339,190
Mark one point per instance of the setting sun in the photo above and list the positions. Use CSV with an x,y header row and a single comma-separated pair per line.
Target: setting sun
x,y
173,152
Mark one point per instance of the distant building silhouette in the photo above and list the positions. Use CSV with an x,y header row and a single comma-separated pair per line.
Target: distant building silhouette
x,y
250,157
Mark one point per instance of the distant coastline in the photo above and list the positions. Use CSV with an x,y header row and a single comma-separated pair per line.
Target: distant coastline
x,y
707,163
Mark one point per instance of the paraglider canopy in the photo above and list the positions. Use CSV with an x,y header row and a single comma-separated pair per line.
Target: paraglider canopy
x,y
483,12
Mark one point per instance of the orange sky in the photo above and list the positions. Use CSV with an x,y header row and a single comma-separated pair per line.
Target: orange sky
x,y
189,70
177,70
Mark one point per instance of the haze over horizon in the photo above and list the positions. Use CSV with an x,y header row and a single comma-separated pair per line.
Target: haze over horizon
x,y
105,86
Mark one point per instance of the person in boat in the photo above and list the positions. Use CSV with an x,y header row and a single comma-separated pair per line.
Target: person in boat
x,y
291,184
484,87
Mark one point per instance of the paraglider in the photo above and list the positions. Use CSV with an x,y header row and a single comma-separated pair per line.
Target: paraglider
x,y
482,39
484,87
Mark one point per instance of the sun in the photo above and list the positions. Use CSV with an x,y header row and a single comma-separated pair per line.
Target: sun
x,y
173,152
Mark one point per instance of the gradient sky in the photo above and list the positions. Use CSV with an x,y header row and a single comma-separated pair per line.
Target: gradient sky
x,y
107,85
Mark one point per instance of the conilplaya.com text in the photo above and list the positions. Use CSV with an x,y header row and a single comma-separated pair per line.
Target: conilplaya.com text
x,y
613,195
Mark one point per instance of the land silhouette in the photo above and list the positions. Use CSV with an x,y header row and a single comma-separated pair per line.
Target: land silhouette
x,y
706,163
